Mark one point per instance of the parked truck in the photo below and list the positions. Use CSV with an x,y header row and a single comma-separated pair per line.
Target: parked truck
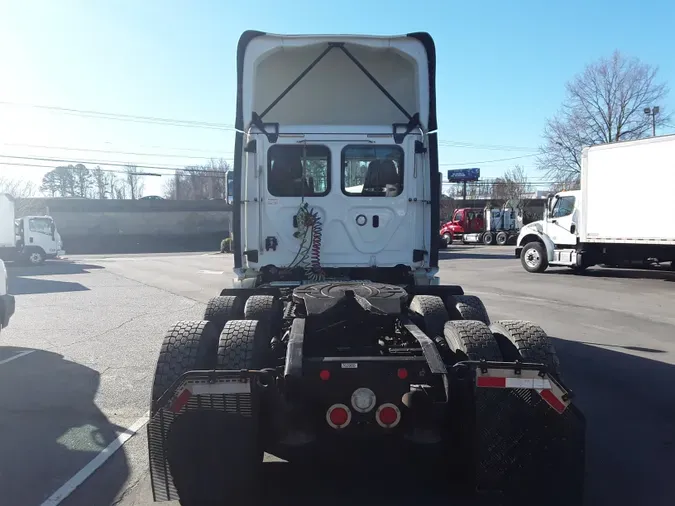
x,y
623,212
488,225
29,239
336,336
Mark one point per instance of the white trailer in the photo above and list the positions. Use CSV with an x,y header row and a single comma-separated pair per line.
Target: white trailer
x,y
31,239
622,214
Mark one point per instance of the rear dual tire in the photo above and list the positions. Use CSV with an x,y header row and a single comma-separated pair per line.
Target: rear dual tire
x,y
227,465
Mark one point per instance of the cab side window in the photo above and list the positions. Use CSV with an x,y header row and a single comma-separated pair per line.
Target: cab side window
x,y
564,207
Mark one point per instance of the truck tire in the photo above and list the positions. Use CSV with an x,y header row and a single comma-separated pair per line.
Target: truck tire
x,y
471,340
502,238
447,239
467,307
187,345
216,456
523,340
533,257
431,310
267,309
34,256
488,238
243,344
222,309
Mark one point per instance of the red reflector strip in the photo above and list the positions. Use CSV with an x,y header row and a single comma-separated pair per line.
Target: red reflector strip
x,y
181,400
550,391
553,401
490,382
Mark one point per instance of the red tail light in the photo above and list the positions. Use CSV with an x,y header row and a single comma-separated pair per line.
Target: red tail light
x,y
338,416
388,415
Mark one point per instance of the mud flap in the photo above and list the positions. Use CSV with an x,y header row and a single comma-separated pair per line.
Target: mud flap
x,y
530,439
202,439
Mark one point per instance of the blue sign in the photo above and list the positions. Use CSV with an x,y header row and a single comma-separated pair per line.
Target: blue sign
x,y
461,175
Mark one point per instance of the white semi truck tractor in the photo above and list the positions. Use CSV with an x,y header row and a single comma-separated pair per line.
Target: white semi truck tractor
x,y
30,239
623,212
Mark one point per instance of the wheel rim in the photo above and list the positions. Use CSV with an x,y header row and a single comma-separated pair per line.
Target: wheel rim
x,y
532,258
35,258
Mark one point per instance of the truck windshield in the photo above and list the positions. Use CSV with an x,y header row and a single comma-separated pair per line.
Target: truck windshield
x,y
40,225
373,171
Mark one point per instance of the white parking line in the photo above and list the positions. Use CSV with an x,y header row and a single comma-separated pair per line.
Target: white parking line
x,y
18,355
218,273
84,473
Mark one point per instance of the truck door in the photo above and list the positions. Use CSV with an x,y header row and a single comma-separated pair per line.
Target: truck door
x,y
562,226
463,228
380,196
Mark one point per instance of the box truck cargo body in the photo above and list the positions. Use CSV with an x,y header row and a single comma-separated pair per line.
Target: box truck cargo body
x,y
623,213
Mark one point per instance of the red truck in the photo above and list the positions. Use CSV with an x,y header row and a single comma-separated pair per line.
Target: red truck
x,y
470,224
467,220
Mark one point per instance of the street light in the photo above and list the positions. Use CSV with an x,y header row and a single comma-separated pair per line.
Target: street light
x,y
652,112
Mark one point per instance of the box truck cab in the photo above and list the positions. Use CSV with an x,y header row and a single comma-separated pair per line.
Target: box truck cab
x,y
597,224
31,239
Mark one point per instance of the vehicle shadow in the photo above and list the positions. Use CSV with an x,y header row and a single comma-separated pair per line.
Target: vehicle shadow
x,y
51,426
477,253
52,268
662,274
629,404
25,280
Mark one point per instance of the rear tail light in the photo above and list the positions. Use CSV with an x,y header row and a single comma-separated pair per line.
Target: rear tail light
x,y
388,415
338,416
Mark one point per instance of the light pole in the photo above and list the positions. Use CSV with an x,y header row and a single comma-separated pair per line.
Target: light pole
x,y
652,112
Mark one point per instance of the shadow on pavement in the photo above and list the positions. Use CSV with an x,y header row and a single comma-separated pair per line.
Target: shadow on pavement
x,y
664,274
27,281
629,404
32,286
52,268
457,254
50,427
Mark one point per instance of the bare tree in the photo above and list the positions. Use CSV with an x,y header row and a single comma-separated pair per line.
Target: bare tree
x,y
513,185
18,188
605,103
134,182
83,180
199,182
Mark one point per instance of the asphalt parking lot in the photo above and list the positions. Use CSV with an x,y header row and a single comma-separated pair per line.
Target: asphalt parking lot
x,y
77,361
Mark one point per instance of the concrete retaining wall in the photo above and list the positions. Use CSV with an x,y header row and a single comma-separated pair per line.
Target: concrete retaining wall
x,y
140,226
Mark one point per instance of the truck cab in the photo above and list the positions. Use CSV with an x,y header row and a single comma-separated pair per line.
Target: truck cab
x,y
37,239
553,240
335,181
465,220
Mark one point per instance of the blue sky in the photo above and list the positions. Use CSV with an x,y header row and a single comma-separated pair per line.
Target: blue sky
x,y
502,67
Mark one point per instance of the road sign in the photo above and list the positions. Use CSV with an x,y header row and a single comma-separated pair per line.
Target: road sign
x,y
463,175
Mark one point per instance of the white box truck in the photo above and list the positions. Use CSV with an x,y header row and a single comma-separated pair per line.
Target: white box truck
x,y
31,239
622,214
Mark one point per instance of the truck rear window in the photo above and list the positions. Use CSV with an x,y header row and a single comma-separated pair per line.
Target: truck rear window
x,y
372,171
297,171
